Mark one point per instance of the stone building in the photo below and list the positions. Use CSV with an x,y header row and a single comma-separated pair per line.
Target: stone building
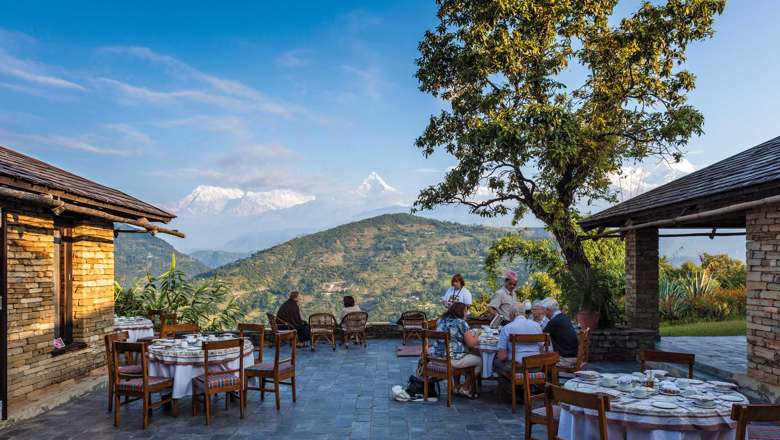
x,y
58,273
740,193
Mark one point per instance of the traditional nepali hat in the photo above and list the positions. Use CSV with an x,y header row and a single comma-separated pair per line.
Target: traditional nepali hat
x,y
511,275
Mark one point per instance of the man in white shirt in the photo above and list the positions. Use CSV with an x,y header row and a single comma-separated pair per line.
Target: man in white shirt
x,y
519,326
505,297
457,293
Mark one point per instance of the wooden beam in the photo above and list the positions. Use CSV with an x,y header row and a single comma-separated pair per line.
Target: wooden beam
x,y
58,207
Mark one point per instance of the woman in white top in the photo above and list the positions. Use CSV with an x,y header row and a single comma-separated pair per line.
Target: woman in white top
x,y
457,293
349,307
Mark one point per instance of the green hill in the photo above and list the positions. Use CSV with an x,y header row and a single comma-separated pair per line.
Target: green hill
x,y
135,255
214,259
390,263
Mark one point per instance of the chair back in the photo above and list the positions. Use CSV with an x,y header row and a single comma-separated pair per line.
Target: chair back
x,y
435,336
744,414
413,318
280,338
431,324
251,330
669,357
172,330
322,321
355,321
272,322
556,395
540,363
167,318
130,350
540,338
109,339
209,346
154,316
583,348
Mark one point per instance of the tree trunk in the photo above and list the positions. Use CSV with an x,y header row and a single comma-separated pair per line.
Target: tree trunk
x,y
577,262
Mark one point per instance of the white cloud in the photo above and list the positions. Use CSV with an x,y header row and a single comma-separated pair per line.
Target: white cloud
x,y
683,166
428,170
294,58
69,143
131,133
369,80
633,180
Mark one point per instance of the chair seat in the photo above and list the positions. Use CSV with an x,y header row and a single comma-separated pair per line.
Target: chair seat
x,y
537,376
542,412
412,326
322,331
267,367
131,369
137,384
218,380
763,432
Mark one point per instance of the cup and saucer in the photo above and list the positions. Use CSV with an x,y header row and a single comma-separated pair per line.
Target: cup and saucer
x,y
703,401
608,382
642,392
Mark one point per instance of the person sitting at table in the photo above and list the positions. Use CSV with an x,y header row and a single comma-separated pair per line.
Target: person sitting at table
x,y
537,312
290,313
462,340
519,325
456,293
349,307
562,332
505,297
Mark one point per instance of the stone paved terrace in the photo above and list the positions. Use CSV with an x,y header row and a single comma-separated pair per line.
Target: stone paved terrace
x,y
721,356
341,395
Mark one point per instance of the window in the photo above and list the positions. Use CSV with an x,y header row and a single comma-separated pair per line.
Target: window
x,y
63,291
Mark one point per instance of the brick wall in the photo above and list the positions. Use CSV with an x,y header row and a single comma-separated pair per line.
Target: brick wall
x,y
763,294
31,315
619,344
642,279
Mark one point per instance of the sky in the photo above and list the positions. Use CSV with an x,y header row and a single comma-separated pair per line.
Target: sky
x,y
156,98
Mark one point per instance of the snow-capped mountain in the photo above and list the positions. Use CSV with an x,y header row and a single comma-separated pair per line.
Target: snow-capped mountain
x,y
374,185
211,200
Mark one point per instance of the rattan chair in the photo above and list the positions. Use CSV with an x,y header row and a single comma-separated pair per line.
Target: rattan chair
x,y
557,395
538,369
226,381
322,326
569,366
354,328
256,334
278,370
135,387
744,414
437,367
668,357
412,324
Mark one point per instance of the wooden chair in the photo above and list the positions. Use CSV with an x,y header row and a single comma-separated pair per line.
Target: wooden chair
x,y
322,326
431,324
249,330
515,378
581,360
437,367
668,357
224,381
538,369
412,324
556,395
278,370
278,324
169,331
354,328
744,414
128,369
135,387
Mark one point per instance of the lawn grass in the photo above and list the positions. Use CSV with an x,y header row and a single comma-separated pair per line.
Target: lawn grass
x,y
735,327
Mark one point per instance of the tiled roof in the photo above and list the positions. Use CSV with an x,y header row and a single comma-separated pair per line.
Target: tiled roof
x,y
21,171
757,166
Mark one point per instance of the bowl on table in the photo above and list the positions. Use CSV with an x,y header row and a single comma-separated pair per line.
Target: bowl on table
x,y
588,375
669,388
703,400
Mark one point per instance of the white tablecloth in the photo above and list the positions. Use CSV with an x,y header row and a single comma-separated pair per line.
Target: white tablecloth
x,y
136,328
488,353
631,418
184,364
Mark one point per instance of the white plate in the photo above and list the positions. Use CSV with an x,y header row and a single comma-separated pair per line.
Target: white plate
x,y
731,398
658,373
700,405
664,405
720,384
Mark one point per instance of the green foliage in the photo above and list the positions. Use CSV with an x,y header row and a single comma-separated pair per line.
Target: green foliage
x,y
540,285
540,144
727,271
732,327
205,303
137,255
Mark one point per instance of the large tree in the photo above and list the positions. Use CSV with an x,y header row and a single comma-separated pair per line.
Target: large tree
x,y
548,98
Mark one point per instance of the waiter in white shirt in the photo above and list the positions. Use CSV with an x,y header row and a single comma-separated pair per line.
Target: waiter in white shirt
x,y
457,293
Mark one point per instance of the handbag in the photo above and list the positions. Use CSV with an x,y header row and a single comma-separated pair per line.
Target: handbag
x,y
415,387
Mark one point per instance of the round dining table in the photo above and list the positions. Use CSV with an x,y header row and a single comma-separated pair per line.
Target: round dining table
x,y
137,327
658,416
487,348
184,361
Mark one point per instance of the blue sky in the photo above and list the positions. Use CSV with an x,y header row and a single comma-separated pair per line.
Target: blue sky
x,y
156,98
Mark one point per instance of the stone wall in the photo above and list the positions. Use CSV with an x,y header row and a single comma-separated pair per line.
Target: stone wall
x,y
642,279
619,344
763,294
31,314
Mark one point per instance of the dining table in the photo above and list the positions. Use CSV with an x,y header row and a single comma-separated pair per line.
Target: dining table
x,y
184,359
487,348
660,414
137,327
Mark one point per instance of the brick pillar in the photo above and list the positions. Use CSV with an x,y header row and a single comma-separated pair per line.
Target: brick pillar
x,y
763,293
642,279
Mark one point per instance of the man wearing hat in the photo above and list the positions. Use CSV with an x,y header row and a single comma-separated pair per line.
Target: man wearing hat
x,y
502,301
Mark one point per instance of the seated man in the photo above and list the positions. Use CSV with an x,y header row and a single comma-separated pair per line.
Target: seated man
x,y
562,332
505,297
519,326
290,313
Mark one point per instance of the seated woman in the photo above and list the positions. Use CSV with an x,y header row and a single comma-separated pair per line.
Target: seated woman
x,y
349,307
461,341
